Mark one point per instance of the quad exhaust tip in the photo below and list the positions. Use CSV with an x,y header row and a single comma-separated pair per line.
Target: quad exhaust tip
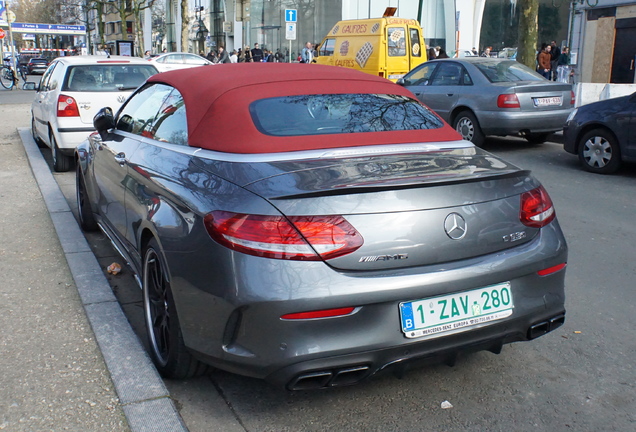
x,y
329,378
543,327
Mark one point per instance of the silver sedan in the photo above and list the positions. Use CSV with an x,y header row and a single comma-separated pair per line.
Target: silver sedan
x,y
482,96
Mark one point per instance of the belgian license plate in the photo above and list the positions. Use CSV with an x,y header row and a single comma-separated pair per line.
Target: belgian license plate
x,y
458,311
547,101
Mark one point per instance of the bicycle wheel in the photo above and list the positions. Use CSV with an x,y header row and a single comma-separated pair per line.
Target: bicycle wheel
x,y
6,77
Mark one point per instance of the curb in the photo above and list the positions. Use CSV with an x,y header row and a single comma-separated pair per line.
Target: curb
x,y
142,393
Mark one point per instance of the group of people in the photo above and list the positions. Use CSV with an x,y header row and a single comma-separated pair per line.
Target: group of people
x,y
436,53
246,55
554,63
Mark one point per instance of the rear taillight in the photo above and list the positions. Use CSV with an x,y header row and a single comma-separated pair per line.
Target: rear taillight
x,y
508,101
537,209
572,98
67,107
308,238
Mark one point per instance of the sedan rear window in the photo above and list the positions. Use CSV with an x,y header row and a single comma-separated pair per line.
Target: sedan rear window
x,y
340,113
507,71
106,77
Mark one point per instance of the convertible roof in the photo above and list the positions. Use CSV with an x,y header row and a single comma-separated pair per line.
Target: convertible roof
x,y
217,100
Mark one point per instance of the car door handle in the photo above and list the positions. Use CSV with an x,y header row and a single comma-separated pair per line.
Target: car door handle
x,y
450,94
121,158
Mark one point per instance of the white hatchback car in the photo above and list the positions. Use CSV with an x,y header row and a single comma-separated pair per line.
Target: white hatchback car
x,y
71,92
178,60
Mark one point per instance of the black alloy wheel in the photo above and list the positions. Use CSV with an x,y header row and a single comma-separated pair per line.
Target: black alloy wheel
x,y
167,349
599,152
468,127
86,216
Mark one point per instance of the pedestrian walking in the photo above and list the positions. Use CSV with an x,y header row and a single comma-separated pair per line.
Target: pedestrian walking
x,y
278,57
224,57
234,57
555,52
247,54
307,54
257,54
544,58
563,66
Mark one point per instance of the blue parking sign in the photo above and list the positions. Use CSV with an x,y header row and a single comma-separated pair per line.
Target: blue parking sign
x,y
291,15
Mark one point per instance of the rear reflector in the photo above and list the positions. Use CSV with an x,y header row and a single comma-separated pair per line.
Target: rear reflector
x,y
572,98
309,238
327,313
508,101
550,270
537,209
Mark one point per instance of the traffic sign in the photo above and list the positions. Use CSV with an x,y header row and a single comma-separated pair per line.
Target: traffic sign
x,y
290,31
291,16
2,33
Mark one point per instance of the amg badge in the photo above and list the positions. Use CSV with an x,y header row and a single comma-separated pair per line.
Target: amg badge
x,y
384,258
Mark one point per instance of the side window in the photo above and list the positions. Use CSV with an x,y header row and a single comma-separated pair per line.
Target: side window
x,y
174,58
327,48
396,41
139,112
467,79
194,59
170,123
416,49
448,74
421,75
44,82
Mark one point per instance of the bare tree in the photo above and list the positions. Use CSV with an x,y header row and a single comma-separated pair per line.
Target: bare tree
x,y
185,22
528,31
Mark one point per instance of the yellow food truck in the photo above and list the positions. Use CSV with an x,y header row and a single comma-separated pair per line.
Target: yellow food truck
x,y
388,47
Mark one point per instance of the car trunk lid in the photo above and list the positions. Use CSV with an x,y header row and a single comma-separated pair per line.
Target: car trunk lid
x,y
410,209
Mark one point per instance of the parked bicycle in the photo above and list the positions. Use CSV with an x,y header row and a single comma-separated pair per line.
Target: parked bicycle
x,y
8,77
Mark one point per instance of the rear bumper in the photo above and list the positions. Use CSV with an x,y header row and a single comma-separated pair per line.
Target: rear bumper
x,y
240,329
511,123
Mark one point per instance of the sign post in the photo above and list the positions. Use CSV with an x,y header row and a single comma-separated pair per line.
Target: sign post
x,y
291,17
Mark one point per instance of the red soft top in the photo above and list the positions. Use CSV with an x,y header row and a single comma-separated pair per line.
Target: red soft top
x,y
217,100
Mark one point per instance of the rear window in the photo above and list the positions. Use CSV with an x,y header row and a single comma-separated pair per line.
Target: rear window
x,y
340,113
507,71
106,77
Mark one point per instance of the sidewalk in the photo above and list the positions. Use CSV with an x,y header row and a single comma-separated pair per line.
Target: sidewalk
x,y
68,357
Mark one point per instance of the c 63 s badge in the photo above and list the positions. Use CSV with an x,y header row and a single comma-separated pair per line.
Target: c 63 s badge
x,y
391,257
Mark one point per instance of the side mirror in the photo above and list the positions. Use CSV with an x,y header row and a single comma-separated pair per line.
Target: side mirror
x,y
103,121
400,81
29,86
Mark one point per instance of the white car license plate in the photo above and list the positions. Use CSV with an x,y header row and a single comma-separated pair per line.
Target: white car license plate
x,y
458,311
547,101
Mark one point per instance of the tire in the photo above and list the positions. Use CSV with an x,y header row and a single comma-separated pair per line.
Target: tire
x,y
34,134
537,138
84,211
61,162
6,78
468,127
167,349
599,152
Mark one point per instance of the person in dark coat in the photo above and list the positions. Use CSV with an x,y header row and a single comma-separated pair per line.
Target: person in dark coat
x,y
224,57
257,54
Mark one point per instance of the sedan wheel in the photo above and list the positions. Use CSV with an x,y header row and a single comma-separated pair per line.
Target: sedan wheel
x,y
61,162
167,349
86,217
468,127
35,135
599,152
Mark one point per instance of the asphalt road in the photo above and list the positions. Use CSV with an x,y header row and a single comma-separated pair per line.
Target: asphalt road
x,y
580,377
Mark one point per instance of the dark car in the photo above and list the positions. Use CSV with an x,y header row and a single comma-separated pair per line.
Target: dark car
x,y
345,230
603,134
37,65
486,96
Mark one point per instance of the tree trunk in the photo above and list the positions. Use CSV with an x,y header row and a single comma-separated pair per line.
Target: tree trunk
x,y
528,32
185,21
